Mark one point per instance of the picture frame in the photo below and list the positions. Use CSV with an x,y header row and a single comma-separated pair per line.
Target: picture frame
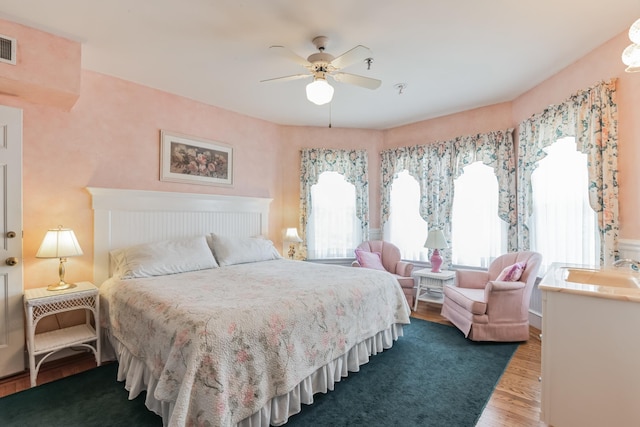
x,y
193,160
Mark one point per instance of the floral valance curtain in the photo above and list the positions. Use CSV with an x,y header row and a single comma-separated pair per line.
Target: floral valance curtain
x,y
430,165
435,167
352,164
591,116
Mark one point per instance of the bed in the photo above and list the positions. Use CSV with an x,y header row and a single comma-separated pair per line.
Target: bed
x,y
218,329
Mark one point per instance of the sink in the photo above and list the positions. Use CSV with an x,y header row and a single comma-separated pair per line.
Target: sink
x,y
612,278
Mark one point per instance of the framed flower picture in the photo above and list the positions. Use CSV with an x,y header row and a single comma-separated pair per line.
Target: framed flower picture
x,y
194,160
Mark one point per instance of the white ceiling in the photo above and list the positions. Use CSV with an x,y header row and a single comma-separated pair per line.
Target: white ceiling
x,y
453,55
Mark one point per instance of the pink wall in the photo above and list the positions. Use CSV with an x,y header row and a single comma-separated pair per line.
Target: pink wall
x,y
471,122
110,138
38,51
603,63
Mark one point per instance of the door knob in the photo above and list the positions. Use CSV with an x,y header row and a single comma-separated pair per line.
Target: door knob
x,y
11,260
11,234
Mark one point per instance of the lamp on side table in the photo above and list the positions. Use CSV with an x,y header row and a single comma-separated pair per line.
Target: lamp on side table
x,y
435,241
59,243
291,237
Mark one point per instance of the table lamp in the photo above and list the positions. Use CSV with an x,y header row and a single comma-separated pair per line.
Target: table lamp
x,y
59,243
435,241
291,236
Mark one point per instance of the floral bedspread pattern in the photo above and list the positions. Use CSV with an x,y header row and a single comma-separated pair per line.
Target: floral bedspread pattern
x,y
222,342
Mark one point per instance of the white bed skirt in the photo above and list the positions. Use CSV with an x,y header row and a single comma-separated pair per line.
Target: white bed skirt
x,y
138,378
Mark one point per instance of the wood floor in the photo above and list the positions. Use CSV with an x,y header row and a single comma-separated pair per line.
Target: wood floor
x,y
516,399
515,402
49,371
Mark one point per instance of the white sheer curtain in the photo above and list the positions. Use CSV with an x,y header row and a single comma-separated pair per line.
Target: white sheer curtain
x,y
563,227
333,230
405,228
478,235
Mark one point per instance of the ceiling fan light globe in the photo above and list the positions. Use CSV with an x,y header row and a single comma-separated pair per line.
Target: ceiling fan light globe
x,y
319,92
631,55
634,32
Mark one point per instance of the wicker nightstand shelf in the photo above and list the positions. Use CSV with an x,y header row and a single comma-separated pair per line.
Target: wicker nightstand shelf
x,y
430,285
40,303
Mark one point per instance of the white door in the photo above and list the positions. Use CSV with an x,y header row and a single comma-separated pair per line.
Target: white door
x,y
11,311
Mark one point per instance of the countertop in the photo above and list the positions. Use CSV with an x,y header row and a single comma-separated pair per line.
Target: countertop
x,y
555,281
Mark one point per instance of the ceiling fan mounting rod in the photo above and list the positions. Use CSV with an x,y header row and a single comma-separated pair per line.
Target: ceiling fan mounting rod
x,y
320,42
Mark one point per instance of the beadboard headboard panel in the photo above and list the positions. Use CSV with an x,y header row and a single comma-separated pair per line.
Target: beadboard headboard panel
x,y
130,217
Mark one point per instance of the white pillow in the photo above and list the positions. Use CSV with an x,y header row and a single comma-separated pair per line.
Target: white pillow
x,y
161,258
239,250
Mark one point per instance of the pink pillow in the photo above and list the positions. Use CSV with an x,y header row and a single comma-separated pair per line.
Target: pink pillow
x,y
369,259
512,273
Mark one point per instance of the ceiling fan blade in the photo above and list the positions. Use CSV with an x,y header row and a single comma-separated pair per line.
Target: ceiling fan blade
x,y
286,53
357,54
353,79
287,78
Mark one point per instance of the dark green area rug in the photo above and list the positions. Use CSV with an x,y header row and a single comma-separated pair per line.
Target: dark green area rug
x,y
432,376
91,398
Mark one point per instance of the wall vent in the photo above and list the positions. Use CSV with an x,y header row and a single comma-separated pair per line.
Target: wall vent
x,y
7,50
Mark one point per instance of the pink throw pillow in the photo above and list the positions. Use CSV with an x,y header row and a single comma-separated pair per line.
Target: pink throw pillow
x,y
512,273
369,259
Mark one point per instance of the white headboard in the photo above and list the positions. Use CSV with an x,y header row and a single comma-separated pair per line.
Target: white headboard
x,y
130,217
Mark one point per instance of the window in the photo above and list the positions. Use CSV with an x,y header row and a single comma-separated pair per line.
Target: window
x,y
478,235
405,228
563,227
333,230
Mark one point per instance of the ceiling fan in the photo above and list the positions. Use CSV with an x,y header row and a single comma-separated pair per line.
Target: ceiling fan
x,y
322,65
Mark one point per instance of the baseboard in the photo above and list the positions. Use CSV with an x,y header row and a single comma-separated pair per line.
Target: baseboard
x,y
535,319
629,248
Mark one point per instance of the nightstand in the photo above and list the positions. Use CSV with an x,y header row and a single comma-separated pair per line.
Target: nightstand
x,y
40,302
431,285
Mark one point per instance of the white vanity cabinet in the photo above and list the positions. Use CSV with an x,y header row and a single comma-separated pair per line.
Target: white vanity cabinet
x,y
590,359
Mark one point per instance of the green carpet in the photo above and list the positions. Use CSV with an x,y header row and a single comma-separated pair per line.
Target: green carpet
x,y
91,398
432,376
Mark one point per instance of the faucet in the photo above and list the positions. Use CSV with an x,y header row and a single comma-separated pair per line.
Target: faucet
x,y
634,265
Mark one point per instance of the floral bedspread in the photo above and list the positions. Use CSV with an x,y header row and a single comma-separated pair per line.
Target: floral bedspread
x,y
222,342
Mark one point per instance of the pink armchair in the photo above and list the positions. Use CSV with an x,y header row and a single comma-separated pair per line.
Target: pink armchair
x,y
487,309
390,259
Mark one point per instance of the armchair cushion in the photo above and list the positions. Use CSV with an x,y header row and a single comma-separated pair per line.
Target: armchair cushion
x,y
369,259
472,300
512,272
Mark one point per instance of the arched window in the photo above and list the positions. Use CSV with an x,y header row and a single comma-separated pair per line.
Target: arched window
x,y
405,228
478,235
563,227
333,229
